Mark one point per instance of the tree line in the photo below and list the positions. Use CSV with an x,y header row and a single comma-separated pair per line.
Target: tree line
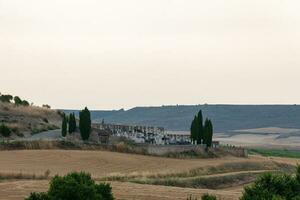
x,y
69,124
201,133
7,98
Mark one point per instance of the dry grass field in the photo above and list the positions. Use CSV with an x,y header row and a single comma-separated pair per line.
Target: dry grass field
x,y
104,164
98,163
17,190
28,119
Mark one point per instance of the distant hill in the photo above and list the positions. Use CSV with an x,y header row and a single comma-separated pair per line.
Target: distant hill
x,y
224,117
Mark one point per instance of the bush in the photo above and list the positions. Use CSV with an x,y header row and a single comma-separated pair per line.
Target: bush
x,y
274,187
208,197
38,196
4,130
6,98
204,197
74,186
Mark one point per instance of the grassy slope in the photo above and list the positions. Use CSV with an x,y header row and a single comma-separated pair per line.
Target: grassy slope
x,y
28,119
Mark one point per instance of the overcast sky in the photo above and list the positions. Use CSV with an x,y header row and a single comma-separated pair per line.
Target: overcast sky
x,y
125,53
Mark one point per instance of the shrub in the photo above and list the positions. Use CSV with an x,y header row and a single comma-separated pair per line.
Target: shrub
x,y
274,187
208,197
46,106
204,197
4,130
74,186
38,196
6,98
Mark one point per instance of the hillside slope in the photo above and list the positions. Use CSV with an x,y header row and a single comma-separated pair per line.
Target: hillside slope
x,y
28,120
224,117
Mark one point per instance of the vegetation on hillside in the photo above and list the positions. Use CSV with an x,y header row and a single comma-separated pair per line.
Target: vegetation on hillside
x,y
7,98
4,130
74,186
201,134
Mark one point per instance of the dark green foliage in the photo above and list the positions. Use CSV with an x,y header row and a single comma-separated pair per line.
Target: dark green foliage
x,y
19,102
72,123
64,126
208,132
200,128
6,98
75,186
201,134
274,187
4,130
194,129
25,103
85,123
208,197
38,196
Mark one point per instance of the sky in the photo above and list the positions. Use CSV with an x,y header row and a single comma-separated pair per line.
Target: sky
x,y
126,53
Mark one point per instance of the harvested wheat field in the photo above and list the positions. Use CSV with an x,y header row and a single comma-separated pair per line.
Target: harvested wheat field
x,y
98,163
104,164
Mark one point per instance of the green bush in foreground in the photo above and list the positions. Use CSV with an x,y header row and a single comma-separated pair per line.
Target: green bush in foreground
x,y
274,187
74,186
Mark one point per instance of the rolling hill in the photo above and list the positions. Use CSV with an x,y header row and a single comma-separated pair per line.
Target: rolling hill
x,y
225,117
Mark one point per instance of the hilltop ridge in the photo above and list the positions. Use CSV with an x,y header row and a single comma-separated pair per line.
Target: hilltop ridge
x,y
225,117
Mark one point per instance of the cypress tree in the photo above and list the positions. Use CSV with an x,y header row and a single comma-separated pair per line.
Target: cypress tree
x,y
205,132
72,123
200,127
85,123
64,126
193,130
210,133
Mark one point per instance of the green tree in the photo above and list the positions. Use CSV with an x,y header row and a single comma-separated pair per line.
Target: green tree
x,y
6,98
72,123
208,132
274,187
17,100
194,129
25,103
205,132
64,126
75,186
200,133
85,123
